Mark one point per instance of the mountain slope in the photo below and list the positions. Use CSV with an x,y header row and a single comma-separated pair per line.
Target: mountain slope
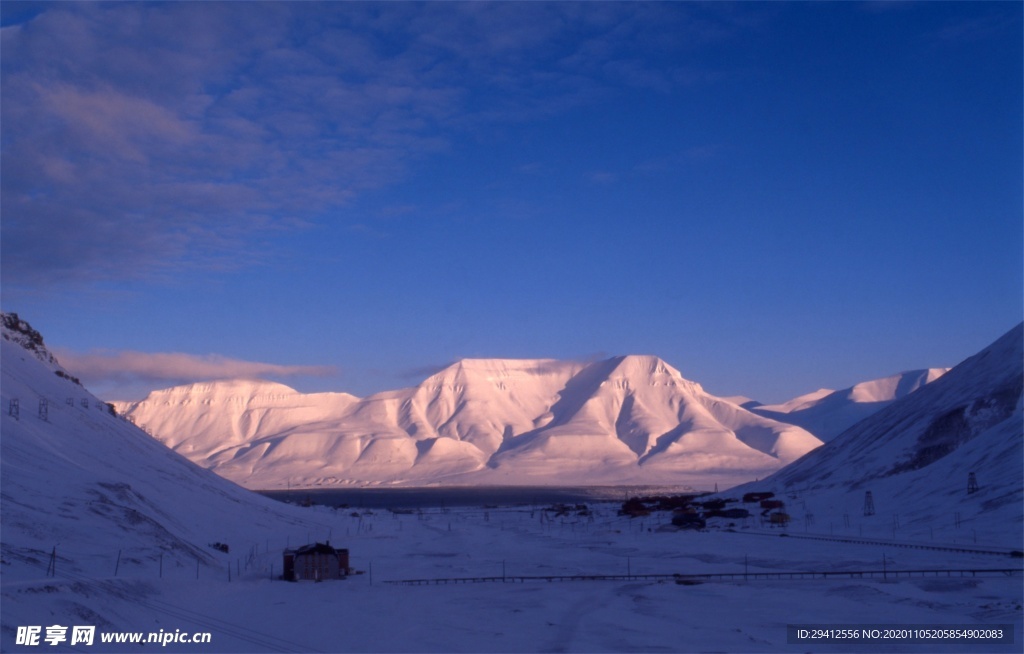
x,y
639,410
826,414
233,412
916,454
77,478
631,419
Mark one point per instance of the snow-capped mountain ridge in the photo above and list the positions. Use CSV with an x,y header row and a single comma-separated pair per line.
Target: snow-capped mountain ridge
x,y
628,419
233,389
894,386
138,535
826,413
920,450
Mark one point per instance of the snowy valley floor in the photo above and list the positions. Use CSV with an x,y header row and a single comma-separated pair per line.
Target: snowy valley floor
x,y
254,613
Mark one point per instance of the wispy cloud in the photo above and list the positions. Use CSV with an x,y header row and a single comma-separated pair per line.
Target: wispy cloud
x,y
145,139
174,367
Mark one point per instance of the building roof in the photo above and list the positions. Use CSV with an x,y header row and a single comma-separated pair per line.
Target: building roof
x,y
315,548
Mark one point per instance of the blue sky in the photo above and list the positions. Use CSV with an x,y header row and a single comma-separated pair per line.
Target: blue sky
x,y
772,197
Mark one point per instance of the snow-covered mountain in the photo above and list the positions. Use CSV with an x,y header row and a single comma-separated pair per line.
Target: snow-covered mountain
x,y
79,480
128,520
916,455
631,419
233,412
827,413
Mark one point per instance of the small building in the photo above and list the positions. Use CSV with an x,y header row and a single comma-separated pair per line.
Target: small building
x,y
731,514
713,505
779,518
316,562
686,520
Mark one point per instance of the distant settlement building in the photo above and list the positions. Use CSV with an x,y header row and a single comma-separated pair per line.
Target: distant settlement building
x,y
685,520
315,562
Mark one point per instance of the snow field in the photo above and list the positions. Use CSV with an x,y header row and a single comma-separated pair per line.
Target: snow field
x,y
364,613
91,485
621,615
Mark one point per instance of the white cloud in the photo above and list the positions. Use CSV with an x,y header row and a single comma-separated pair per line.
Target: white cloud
x,y
106,366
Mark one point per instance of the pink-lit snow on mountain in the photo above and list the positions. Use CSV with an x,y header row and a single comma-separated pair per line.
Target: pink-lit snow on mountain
x,y
827,413
631,419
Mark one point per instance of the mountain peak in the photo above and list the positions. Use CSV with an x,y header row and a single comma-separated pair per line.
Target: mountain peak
x,y
501,374
500,366
644,363
647,369
893,387
239,387
19,331
826,414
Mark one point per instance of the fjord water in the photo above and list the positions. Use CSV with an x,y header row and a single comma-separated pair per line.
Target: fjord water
x,y
442,496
